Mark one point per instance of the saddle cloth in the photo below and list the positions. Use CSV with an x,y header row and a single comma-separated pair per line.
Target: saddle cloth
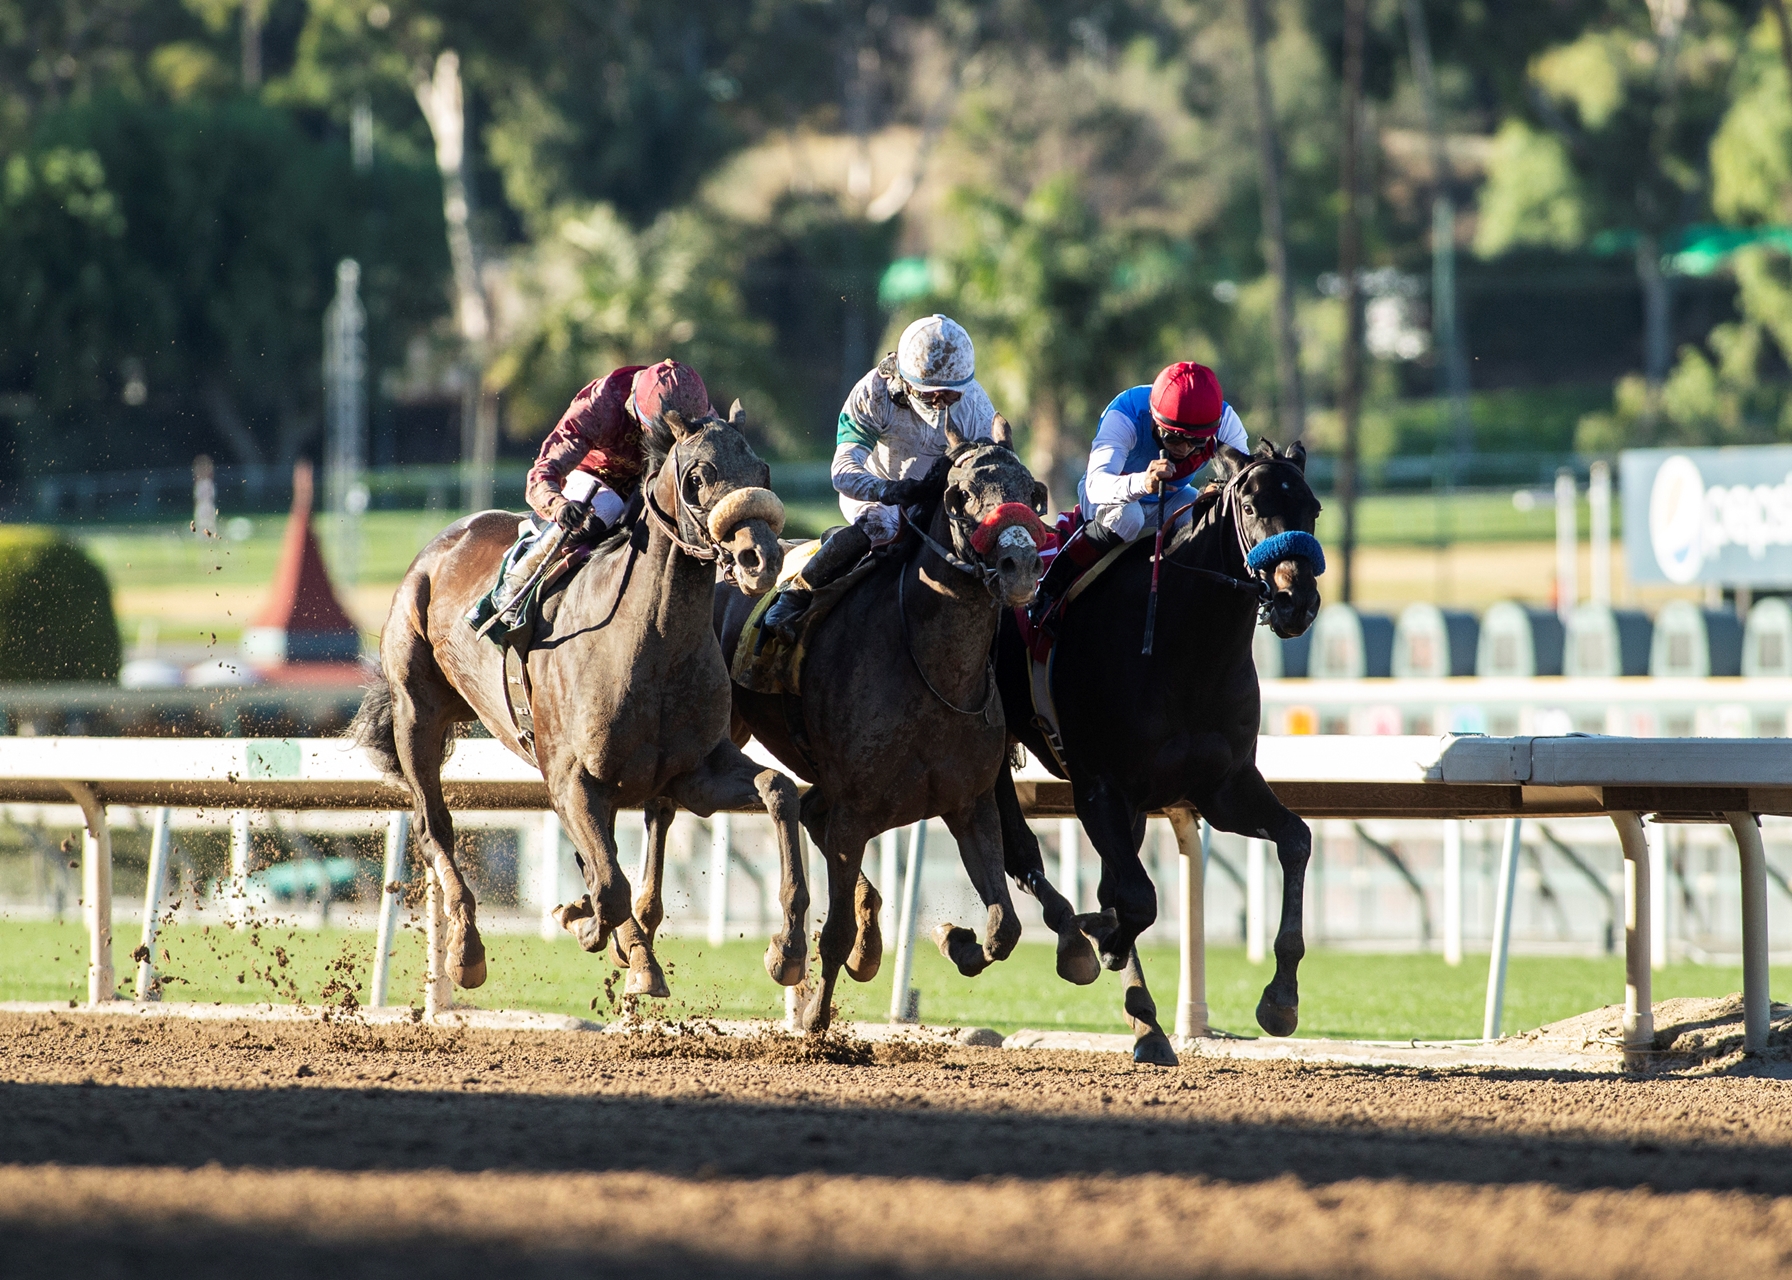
x,y
777,667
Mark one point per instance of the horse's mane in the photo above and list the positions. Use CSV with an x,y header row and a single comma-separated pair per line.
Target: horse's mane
x,y
657,441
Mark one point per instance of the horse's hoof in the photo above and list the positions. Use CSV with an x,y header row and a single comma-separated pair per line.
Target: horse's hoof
x,y
959,945
466,957
646,980
813,1013
1153,1049
786,970
1277,1019
567,914
1098,926
867,954
590,933
1077,961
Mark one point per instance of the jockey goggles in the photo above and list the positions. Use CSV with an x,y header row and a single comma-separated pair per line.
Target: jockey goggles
x,y
1199,435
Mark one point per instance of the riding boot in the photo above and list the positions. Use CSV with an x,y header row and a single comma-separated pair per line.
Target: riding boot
x,y
1090,543
840,552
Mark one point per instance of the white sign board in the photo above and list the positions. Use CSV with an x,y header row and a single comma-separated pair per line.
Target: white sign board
x,y
1708,515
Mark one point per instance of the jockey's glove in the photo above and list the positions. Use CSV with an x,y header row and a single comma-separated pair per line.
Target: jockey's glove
x,y
572,516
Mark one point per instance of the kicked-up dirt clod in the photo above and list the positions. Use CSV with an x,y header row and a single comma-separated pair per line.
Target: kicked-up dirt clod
x,y
284,1149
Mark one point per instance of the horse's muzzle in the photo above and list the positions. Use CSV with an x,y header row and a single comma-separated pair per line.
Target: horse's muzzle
x,y
1296,600
1016,562
758,556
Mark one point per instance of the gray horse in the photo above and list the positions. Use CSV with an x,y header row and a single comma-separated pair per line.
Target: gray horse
x,y
899,718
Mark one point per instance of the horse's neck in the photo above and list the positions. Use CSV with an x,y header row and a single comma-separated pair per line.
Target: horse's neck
x,y
1211,542
950,617
666,593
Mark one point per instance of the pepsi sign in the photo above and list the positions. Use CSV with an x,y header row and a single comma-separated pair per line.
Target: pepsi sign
x,y
1708,516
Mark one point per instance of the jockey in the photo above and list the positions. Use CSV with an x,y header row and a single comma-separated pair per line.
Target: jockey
x,y
891,431
604,423
1150,443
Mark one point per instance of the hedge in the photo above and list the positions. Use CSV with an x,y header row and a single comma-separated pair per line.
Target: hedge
x,y
56,619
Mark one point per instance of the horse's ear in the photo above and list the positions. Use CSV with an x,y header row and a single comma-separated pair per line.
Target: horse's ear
x,y
1001,433
1041,496
737,416
675,423
1297,454
1227,461
1266,448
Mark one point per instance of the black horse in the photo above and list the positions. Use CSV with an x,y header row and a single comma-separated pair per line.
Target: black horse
x,y
1175,728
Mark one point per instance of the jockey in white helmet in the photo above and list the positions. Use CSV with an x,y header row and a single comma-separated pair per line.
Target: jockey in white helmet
x,y
891,431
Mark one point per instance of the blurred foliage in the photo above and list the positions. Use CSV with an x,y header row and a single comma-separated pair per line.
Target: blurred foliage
x,y
1082,184
596,294
56,619
164,270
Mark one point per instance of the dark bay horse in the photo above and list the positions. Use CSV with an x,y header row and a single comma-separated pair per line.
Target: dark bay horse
x,y
899,719
628,691
1176,729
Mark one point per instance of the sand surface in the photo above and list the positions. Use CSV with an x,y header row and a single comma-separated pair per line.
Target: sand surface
x,y
164,1146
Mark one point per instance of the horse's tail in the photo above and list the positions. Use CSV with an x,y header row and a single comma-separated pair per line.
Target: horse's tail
x,y
372,729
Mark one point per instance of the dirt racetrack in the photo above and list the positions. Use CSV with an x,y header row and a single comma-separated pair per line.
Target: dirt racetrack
x,y
268,1150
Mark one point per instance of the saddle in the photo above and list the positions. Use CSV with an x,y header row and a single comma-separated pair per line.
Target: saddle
x,y
776,667
534,613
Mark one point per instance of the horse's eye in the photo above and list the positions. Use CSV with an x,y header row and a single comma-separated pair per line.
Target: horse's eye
x,y
1249,510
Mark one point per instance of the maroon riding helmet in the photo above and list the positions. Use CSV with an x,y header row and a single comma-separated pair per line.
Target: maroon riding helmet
x,y
670,385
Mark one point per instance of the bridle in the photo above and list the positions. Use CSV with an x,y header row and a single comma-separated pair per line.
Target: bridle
x,y
972,565
688,526
1259,558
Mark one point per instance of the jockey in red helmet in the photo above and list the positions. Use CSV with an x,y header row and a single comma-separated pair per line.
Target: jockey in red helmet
x,y
1150,443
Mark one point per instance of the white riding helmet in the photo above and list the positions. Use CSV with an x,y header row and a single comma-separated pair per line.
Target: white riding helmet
x,y
935,354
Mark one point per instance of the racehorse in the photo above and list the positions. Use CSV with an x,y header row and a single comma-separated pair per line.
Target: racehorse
x,y
627,691
1171,722
898,719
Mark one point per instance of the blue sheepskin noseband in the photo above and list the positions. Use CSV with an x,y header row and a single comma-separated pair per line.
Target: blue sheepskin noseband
x,y
1281,546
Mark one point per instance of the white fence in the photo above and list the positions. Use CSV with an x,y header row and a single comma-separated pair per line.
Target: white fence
x,y
1724,782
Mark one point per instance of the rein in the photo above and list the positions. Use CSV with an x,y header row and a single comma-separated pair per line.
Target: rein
x,y
1255,581
705,548
989,670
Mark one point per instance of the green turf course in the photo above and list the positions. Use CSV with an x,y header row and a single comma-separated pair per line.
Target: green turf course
x,y
1376,997
167,555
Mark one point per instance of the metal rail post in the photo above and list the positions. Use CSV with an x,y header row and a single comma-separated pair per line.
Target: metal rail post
x,y
1756,1009
1657,836
1639,1007
96,891
1452,892
889,880
438,989
241,856
398,837
719,846
901,1007
1502,931
547,871
1070,860
1191,994
1256,899
160,838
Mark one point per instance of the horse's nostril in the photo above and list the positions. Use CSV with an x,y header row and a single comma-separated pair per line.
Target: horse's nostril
x,y
1008,564
749,560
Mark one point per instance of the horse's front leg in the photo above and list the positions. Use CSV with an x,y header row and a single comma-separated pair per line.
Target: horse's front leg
x,y
728,779
588,812
1077,961
1117,830
1246,806
978,830
650,903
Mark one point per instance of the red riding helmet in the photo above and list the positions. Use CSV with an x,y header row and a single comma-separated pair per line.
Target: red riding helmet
x,y
670,385
1186,398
